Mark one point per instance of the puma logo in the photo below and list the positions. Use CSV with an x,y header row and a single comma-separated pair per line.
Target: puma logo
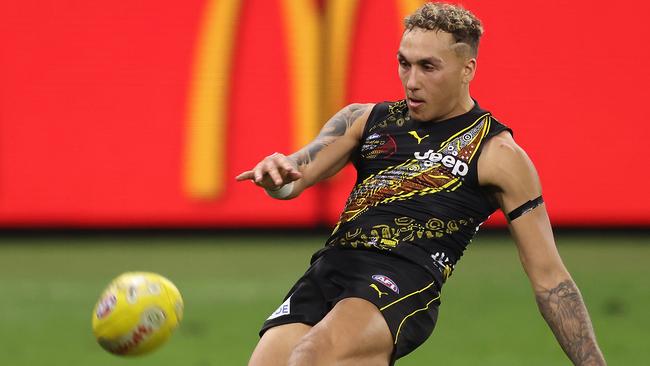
x,y
415,134
379,292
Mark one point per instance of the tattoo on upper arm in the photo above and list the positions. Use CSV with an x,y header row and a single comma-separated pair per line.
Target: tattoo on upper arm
x,y
566,314
336,127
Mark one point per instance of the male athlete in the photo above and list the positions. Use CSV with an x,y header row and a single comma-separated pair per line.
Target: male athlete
x,y
431,168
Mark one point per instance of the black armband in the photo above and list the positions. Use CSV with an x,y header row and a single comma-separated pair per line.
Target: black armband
x,y
525,208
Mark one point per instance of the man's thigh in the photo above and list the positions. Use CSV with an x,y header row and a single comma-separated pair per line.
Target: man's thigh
x,y
277,343
353,333
352,292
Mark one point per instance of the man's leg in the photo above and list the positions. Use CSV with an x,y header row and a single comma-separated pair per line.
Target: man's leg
x,y
277,343
353,333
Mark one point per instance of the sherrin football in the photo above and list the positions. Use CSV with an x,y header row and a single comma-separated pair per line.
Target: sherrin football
x,y
137,313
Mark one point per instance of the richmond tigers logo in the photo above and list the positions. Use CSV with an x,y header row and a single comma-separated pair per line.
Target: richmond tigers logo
x,y
378,146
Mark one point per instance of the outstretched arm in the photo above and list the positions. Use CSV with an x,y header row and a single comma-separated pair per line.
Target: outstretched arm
x,y
506,168
321,158
334,129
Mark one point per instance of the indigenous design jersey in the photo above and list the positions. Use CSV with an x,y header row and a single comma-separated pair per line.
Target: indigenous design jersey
x,y
417,194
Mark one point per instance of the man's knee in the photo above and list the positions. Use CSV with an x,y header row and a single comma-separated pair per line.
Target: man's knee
x,y
316,347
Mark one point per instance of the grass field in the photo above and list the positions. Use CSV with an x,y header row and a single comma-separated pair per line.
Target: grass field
x,y
48,288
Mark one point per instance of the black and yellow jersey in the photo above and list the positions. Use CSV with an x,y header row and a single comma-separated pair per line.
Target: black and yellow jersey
x,y
417,194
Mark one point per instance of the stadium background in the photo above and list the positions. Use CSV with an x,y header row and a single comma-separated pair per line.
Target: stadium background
x,y
122,116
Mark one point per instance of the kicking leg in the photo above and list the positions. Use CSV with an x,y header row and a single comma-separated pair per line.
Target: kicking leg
x,y
277,343
353,333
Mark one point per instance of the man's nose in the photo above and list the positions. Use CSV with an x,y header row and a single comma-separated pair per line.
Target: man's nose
x,y
412,80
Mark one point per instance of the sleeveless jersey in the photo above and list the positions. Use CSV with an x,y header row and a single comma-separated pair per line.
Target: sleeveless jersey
x,y
417,194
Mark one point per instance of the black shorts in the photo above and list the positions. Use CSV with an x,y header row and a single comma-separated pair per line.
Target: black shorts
x,y
406,294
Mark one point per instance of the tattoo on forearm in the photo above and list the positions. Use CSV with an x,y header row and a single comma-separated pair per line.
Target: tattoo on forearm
x,y
566,314
336,127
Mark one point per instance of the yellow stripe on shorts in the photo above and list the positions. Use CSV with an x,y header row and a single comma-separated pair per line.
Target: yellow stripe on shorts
x,y
407,296
413,313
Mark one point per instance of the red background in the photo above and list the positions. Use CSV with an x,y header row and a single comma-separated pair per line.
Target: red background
x,y
93,101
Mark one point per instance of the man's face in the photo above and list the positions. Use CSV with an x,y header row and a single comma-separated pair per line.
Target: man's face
x,y
435,74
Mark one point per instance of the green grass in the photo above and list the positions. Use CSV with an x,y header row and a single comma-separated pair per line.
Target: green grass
x,y
230,284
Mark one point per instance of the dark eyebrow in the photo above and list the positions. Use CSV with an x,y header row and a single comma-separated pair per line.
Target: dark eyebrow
x,y
431,60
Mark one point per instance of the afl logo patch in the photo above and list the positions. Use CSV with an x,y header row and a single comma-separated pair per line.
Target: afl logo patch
x,y
386,282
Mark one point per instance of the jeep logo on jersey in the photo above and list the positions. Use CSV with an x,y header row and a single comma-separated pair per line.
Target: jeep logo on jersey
x,y
457,166
386,282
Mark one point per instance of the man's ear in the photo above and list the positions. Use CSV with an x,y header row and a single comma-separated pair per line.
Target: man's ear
x,y
469,70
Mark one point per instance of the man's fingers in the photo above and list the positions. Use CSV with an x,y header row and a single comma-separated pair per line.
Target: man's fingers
x,y
294,175
288,171
245,176
258,173
262,169
282,161
287,166
274,170
276,177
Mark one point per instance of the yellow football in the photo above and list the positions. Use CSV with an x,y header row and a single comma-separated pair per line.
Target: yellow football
x,y
137,313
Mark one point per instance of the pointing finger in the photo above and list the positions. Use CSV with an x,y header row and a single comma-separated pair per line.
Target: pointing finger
x,y
245,176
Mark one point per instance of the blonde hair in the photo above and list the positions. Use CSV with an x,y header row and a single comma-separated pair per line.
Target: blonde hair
x,y
464,26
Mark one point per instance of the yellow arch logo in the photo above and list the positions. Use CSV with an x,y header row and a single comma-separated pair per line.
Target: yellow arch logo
x,y
309,59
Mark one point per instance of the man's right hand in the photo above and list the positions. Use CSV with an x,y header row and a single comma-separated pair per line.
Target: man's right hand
x,y
272,172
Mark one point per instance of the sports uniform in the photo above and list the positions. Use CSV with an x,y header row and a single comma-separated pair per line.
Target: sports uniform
x,y
414,209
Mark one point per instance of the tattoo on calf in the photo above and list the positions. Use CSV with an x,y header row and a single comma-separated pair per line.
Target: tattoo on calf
x,y
566,314
336,127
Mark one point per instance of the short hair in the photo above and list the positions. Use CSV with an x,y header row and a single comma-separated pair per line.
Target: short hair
x,y
464,26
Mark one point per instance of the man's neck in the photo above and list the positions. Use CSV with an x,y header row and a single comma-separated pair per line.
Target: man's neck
x,y
465,104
